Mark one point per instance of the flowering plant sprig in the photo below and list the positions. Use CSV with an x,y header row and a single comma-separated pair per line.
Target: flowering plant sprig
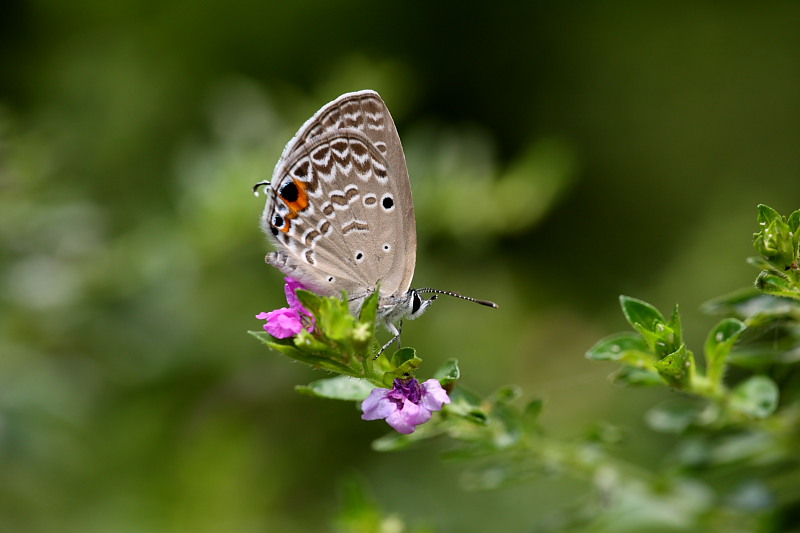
x,y
322,333
735,432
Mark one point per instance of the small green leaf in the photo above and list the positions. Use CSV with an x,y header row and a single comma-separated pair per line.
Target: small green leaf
x,y
793,221
533,410
369,309
630,375
777,284
627,347
739,303
335,320
392,442
468,405
758,262
316,359
676,368
405,361
310,300
674,416
640,314
757,397
767,215
448,372
338,388
505,394
403,355
718,345
662,337
675,325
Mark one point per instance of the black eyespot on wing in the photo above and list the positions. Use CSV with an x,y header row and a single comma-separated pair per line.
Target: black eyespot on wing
x,y
278,221
387,202
289,191
274,230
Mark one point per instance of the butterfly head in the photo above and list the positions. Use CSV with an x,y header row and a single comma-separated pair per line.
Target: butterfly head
x,y
408,306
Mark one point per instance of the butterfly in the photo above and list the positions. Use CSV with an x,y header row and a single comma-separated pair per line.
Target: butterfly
x,y
340,212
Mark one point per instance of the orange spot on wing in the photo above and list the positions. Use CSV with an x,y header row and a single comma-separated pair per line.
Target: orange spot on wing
x,y
302,200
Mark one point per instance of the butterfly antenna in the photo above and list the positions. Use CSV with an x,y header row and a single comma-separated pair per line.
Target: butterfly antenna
x,y
487,303
264,183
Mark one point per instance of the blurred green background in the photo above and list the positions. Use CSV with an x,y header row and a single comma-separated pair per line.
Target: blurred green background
x,y
560,153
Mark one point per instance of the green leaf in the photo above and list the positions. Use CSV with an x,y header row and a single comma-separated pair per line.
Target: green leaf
x,y
742,303
315,358
310,300
757,397
718,345
369,309
640,314
674,416
405,361
391,442
676,368
675,325
777,284
627,347
662,337
630,375
335,320
767,215
505,394
467,404
533,409
448,372
793,221
338,388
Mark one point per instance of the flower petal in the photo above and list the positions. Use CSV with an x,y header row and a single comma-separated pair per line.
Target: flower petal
x,y
407,419
377,405
433,395
283,323
291,296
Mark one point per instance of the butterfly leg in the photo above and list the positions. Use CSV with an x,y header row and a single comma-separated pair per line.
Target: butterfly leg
x,y
395,331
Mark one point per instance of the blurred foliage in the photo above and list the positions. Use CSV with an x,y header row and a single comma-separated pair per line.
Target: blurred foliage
x,y
560,155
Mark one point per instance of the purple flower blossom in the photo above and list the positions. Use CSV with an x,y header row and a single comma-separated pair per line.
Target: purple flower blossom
x,y
407,405
288,321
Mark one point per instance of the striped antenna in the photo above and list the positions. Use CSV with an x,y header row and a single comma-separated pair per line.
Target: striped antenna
x,y
487,303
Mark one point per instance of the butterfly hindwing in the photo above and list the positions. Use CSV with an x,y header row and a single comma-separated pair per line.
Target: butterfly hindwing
x,y
340,206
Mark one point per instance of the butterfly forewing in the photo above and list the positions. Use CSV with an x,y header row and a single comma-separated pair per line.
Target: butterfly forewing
x,y
340,206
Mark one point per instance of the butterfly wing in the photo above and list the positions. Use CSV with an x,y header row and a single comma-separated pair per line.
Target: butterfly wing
x,y
340,208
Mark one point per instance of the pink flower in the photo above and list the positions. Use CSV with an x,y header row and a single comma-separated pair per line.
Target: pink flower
x,y
288,321
282,323
407,405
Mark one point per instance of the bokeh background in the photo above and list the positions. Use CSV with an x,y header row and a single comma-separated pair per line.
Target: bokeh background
x,y
561,154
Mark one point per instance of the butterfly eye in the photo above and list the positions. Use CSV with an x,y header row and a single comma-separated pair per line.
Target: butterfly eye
x,y
416,302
